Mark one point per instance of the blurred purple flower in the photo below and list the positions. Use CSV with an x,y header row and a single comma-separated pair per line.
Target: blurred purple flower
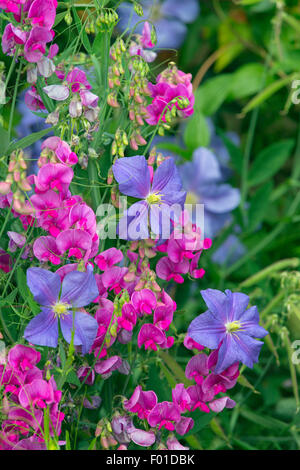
x,y
168,16
230,326
77,290
229,252
202,178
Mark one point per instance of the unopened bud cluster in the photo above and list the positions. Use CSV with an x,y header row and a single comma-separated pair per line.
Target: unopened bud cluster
x,y
16,182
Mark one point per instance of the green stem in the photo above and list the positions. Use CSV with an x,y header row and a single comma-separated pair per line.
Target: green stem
x,y
278,266
275,301
93,177
250,137
266,241
12,109
296,165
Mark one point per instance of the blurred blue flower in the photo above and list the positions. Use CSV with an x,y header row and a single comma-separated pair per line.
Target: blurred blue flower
x,y
229,252
203,180
29,124
169,18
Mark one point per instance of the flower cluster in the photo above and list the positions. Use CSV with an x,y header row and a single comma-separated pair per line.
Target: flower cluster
x,y
82,102
183,250
172,94
71,223
169,415
30,34
27,393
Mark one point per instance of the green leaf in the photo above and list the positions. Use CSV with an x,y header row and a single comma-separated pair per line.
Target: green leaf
x,y
175,149
245,383
269,161
92,445
259,204
201,420
197,133
59,17
235,153
247,2
266,93
72,379
80,28
9,299
247,81
264,420
25,292
210,96
26,141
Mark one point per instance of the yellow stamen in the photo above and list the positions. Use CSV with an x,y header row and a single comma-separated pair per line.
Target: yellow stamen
x,y
233,326
153,198
192,198
61,309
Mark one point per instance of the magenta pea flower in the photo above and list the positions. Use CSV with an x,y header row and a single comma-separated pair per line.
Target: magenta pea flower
x,y
228,324
78,289
108,258
164,414
141,402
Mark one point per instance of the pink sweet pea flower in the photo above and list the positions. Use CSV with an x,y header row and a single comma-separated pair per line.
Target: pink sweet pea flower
x,y
113,279
33,100
108,258
128,318
168,270
45,249
82,217
163,317
197,368
43,12
106,367
141,402
184,426
181,398
164,414
151,337
35,46
75,243
12,37
54,176
144,301
23,357
189,343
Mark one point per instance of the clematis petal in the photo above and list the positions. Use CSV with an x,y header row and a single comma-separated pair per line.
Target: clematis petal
x,y
42,330
207,330
250,325
85,327
238,347
133,176
79,288
44,285
216,302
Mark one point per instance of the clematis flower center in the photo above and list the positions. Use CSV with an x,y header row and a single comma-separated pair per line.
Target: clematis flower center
x,y
153,198
191,198
61,309
233,326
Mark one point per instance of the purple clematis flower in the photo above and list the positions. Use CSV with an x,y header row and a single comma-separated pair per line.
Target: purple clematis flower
x,y
230,326
77,289
158,196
